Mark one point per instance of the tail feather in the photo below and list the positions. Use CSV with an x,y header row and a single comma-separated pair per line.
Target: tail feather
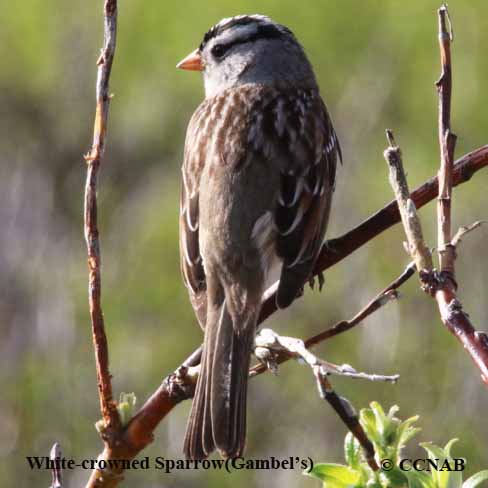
x,y
218,416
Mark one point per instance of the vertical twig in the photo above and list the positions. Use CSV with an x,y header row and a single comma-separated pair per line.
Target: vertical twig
x,y
450,307
447,143
93,159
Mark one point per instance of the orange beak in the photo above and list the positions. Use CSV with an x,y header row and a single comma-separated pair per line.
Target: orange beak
x,y
193,62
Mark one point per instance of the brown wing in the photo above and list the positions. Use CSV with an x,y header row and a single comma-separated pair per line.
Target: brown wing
x,y
190,258
305,143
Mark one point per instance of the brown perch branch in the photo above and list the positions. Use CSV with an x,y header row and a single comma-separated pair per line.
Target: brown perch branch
x,y
93,160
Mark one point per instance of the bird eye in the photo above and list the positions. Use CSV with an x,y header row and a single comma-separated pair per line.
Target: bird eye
x,y
218,50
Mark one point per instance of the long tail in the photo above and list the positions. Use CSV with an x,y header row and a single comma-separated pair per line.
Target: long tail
x,y
218,415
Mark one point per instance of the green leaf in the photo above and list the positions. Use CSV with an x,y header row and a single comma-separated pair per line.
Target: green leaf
x,y
352,451
447,449
406,431
476,479
433,451
382,421
443,478
334,475
368,422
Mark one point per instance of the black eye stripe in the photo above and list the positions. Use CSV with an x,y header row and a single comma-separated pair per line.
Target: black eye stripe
x,y
267,31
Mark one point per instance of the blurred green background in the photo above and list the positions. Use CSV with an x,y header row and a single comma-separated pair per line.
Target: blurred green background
x,y
376,63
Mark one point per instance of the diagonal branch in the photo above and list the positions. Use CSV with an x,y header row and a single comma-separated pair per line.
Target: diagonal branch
x,y
382,298
339,248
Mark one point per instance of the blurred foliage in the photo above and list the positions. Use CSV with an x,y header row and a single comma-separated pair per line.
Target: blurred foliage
x,y
389,436
376,63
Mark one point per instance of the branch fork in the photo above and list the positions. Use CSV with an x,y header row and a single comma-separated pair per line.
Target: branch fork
x,y
442,284
270,345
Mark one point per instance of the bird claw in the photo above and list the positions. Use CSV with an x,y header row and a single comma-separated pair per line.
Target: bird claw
x,y
320,279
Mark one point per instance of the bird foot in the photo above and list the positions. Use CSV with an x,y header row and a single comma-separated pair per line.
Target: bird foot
x,y
320,279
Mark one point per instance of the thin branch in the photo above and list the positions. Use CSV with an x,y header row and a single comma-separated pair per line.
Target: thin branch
x,y
111,419
93,159
389,293
411,223
348,415
416,246
447,143
270,345
382,298
450,307
462,231
443,285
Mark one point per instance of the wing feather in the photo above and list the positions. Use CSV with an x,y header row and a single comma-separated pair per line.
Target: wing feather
x,y
304,200
190,259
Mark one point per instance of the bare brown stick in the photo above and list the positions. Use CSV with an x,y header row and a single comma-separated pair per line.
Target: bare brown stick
x,y
450,307
382,298
447,143
389,293
347,414
411,223
107,405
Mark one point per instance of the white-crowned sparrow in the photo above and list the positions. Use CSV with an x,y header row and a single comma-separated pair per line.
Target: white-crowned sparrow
x,y
258,176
